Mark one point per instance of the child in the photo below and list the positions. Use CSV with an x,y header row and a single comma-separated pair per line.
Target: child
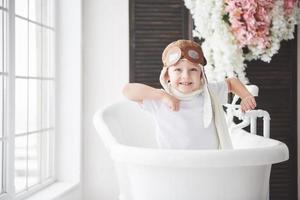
x,y
188,111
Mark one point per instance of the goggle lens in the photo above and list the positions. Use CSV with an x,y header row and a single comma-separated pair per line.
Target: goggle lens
x,y
193,54
173,56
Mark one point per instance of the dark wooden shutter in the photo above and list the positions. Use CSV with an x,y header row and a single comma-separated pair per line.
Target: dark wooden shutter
x,y
277,82
153,25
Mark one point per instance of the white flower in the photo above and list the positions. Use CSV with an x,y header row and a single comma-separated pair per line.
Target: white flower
x,y
224,58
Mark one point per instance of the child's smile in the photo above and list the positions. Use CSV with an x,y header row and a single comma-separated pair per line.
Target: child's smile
x,y
185,76
185,83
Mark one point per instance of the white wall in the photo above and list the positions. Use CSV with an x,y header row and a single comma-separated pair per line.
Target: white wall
x,y
105,71
68,89
69,96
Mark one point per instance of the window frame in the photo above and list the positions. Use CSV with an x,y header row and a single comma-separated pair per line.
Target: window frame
x,y
9,111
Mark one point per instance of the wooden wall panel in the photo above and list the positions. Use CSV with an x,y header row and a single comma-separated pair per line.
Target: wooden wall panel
x,y
153,25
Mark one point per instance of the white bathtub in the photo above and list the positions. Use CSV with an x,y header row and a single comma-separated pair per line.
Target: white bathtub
x,y
147,173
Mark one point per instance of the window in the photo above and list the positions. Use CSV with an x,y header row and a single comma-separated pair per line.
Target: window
x,y
3,89
27,96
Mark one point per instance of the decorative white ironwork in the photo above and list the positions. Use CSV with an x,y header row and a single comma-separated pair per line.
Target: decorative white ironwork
x,y
248,117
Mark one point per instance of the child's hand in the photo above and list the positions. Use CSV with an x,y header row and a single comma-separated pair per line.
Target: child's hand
x,y
171,101
248,103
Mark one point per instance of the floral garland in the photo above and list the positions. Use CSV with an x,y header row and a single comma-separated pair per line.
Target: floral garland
x,y
238,30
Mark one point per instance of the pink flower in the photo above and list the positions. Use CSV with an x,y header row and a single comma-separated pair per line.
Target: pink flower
x,y
265,3
289,5
250,21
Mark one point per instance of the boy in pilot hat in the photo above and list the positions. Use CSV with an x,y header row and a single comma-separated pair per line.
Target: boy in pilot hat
x,y
188,110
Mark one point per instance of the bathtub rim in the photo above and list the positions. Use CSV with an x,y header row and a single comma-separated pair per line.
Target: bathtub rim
x,y
200,158
187,158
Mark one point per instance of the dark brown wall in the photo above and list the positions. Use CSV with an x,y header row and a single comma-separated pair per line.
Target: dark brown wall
x,y
277,82
153,25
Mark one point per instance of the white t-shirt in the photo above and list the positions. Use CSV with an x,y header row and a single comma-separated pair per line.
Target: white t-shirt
x,y
184,129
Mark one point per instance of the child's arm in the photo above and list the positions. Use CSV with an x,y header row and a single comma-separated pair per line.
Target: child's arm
x,y
237,87
139,92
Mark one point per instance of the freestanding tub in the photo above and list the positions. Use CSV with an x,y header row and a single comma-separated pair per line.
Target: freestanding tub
x,y
147,173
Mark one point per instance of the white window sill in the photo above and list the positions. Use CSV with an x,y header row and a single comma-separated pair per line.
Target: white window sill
x,y
53,191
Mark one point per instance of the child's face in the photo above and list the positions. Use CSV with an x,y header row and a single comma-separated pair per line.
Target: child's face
x,y
185,76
